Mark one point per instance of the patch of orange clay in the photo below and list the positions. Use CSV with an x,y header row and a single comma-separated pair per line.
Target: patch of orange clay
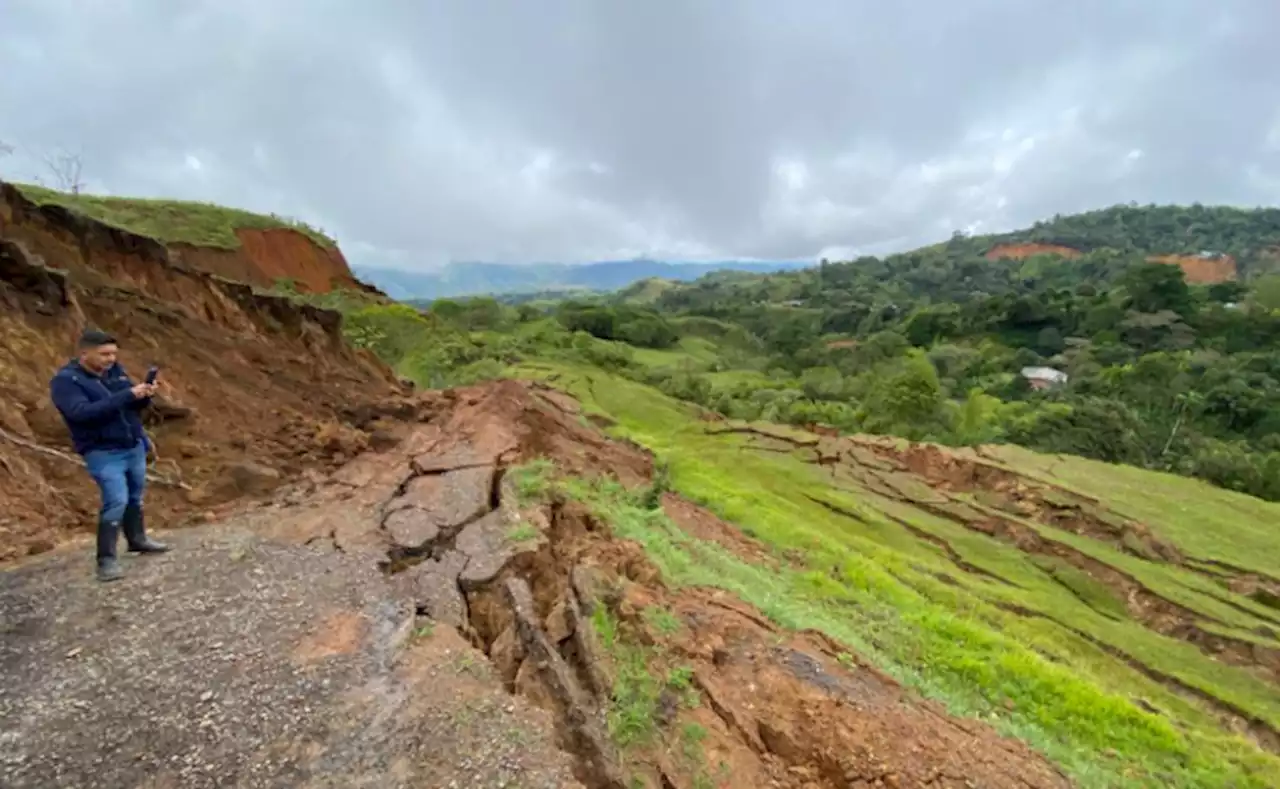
x,y
337,634
1023,251
1202,271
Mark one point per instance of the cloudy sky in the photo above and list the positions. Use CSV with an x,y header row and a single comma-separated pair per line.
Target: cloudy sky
x,y
424,131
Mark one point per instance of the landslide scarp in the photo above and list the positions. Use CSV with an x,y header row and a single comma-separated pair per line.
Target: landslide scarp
x,y
254,386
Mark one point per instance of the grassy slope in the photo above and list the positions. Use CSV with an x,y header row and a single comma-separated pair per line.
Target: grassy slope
x,y
1060,674
171,221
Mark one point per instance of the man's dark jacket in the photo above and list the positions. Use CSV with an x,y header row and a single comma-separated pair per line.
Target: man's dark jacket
x,y
99,410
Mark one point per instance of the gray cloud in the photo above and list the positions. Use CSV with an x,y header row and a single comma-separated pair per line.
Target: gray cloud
x,y
420,132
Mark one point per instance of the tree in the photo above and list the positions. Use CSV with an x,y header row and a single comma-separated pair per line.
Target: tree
x,y
904,398
1154,287
1049,341
1266,291
648,331
1228,292
65,168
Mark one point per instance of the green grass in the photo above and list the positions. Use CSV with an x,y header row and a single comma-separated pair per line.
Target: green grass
x,y
692,354
171,221
532,480
522,533
639,684
1061,674
634,701
661,620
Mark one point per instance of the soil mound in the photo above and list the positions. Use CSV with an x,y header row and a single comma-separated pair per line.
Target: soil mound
x,y
253,386
417,618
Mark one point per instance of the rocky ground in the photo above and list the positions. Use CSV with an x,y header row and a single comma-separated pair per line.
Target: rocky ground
x,y
408,620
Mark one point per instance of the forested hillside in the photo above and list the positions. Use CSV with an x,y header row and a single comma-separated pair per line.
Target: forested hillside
x,y
1162,373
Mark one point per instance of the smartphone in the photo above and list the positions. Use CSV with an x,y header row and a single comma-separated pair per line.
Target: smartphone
x,y
152,373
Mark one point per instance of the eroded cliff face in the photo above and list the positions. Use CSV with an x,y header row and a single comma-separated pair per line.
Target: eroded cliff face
x,y
258,386
264,256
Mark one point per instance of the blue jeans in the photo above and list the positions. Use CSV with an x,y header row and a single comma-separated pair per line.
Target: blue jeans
x,y
121,475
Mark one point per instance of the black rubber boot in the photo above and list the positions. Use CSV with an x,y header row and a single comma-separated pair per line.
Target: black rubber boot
x,y
135,533
108,536
109,570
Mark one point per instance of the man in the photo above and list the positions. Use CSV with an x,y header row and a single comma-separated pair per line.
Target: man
x,y
101,408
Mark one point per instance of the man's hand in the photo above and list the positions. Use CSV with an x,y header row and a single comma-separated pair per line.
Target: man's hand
x,y
141,391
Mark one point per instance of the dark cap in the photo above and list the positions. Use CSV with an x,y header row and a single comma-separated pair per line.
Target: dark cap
x,y
94,338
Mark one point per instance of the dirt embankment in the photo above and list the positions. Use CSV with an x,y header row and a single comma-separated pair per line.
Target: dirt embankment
x,y
71,240
347,675
1023,251
253,386
1202,270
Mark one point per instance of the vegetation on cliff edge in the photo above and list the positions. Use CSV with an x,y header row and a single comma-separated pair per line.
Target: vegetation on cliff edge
x,y
172,221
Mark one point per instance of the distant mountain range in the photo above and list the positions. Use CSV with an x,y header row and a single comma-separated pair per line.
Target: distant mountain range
x,y
474,279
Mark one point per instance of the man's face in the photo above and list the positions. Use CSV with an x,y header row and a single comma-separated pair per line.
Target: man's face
x,y
98,359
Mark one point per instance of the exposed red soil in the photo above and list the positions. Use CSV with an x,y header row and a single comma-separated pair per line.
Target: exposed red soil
x,y
267,255
1023,251
837,344
1202,271
254,387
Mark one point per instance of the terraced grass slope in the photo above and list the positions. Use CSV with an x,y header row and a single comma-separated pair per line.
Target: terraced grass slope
x,y
1122,622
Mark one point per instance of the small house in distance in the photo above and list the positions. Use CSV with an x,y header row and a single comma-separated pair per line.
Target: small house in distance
x,y
1043,377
